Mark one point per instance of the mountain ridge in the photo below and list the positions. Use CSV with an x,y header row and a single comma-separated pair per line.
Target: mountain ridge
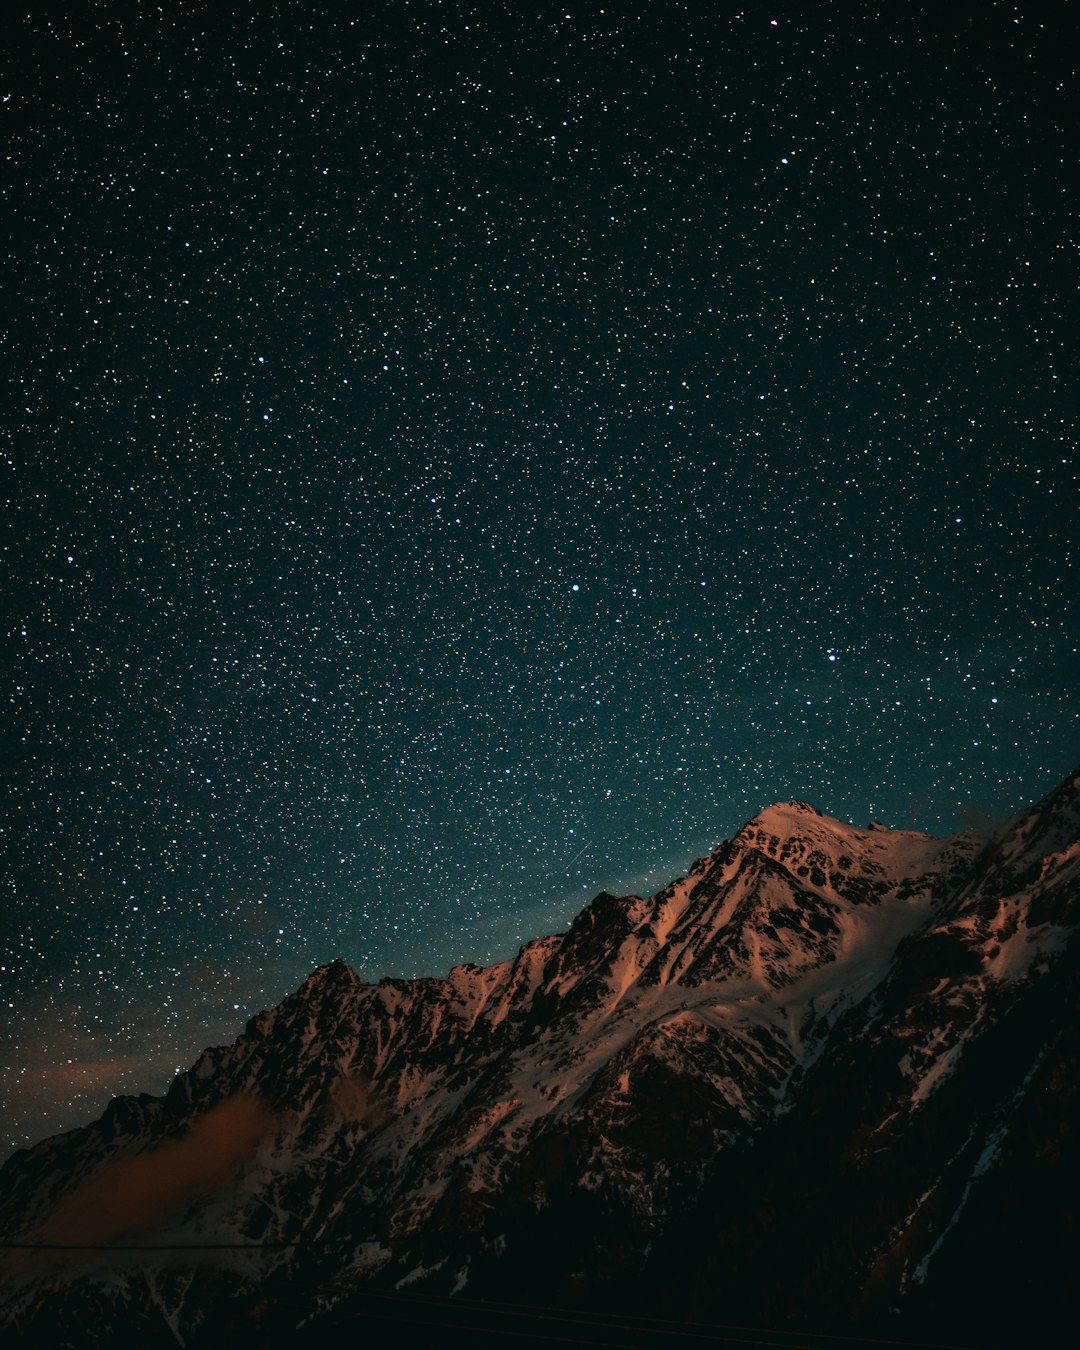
x,y
420,1133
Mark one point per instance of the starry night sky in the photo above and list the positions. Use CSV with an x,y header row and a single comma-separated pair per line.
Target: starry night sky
x,y
458,458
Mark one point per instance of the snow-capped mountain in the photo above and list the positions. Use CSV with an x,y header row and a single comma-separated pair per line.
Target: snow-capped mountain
x,y
785,1080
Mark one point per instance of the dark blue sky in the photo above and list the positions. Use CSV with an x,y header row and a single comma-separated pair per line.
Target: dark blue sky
x,y
458,458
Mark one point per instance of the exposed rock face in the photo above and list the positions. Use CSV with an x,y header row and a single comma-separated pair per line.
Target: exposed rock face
x,y
789,1076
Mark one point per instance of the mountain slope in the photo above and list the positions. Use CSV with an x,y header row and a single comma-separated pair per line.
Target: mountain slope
x,y
934,1148
875,1000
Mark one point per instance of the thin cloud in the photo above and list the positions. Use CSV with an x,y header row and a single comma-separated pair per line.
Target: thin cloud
x,y
130,1197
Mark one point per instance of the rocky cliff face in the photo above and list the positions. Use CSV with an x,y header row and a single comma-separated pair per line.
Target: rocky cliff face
x,y
818,1027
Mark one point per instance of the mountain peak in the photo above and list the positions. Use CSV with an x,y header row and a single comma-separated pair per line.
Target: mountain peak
x,y
335,975
785,819
799,807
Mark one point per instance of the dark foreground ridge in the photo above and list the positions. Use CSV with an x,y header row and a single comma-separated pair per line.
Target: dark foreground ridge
x,y
822,1090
